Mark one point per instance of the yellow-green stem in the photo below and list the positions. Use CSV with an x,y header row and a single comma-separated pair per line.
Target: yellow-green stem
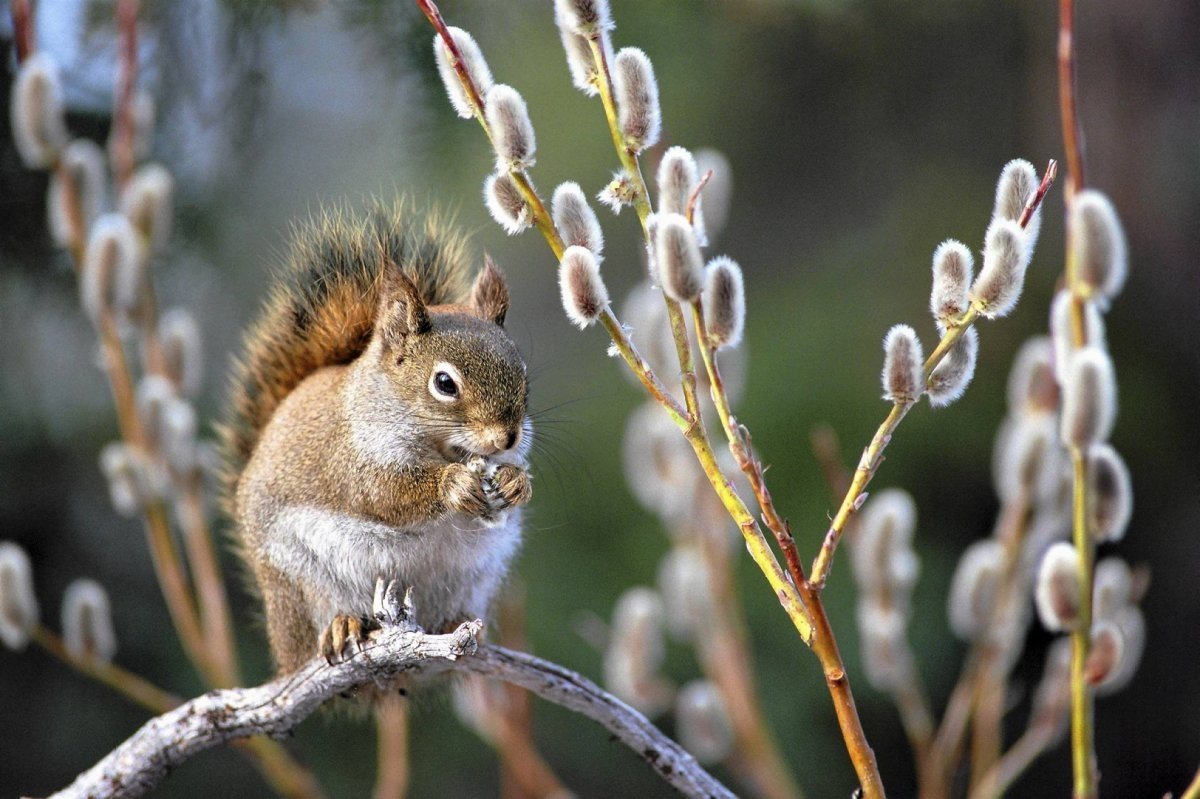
x,y
1083,758
1193,790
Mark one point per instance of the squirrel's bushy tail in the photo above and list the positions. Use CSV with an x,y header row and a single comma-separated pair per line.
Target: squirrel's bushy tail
x,y
322,306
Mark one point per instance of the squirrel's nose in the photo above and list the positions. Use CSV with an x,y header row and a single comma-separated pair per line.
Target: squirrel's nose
x,y
500,438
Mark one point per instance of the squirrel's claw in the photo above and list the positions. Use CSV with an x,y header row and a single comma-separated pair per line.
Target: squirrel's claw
x,y
512,485
343,630
463,490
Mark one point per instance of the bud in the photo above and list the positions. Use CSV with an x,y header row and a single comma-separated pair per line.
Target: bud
x,y
179,435
636,93
702,722
718,192
659,464
38,125
1031,383
506,204
512,131
974,588
87,622
1098,242
147,202
18,605
951,377
580,62
584,295
474,64
677,258
1031,461
724,302
575,219
1109,494
619,193
586,18
111,280
182,350
1057,589
126,478
678,179
903,365
882,552
1062,331
996,291
636,651
1105,653
1018,183
683,583
154,393
884,654
1112,588
953,268
82,181
1089,398
1132,625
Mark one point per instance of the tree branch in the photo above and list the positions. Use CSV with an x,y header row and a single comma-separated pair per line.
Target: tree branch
x,y
165,742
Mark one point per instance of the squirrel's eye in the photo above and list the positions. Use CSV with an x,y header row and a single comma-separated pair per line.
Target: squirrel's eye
x,y
444,384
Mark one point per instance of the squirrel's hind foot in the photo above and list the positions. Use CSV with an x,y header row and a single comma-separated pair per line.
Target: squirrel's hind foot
x,y
344,631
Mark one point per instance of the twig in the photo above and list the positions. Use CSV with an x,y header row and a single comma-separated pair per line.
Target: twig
x,y
123,132
391,726
1193,790
163,743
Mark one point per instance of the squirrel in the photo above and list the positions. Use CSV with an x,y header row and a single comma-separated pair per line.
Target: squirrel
x,y
377,428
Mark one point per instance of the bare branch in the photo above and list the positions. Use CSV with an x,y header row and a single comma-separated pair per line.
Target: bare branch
x,y
165,742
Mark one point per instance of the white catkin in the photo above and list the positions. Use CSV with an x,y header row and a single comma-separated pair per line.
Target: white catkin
x,y
1112,588
1062,331
882,551
1005,255
1132,624
512,130
1089,404
584,17
1057,588
724,302
584,295
1018,183
1100,251
575,220
703,722
83,177
1105,654
18,604
39,127
1110,494
179,428
183,349
474,64
1031,461
636,651
718,192
112,275
678,179
506,204
147,202
683,582
1031,383
677,258
953,270
660,467
951,377
884,654
122,470
580,61
636,92
87,622
973,588
903,365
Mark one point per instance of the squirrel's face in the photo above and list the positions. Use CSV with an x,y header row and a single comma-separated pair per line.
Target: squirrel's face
x,y
466,381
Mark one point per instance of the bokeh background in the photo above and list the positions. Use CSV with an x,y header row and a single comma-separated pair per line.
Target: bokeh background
x,y
861,133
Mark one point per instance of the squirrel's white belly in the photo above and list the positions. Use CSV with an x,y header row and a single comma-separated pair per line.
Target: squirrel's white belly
x,y
454,565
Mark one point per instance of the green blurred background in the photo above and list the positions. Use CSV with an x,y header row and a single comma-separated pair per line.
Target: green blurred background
x,y
861,133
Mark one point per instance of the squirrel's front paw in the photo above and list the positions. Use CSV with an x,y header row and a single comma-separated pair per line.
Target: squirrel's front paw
x,y
463,490
512,486
341,632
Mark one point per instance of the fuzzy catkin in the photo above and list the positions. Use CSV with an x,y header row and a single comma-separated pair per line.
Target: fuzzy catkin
x,y
575,220
1057,589
678,178
87,622
636,92
1062,331
973,588
183,350
882,554
584,295
38,126
1089,404
998,287
1031,383
903,365
1110,494
950,378
18,604
677,258
112,275
472,62
147,202
953,269
1017,184
1112,588
703,722
724,302
1098,244
585,18
512,130
506,204
718,192
82,180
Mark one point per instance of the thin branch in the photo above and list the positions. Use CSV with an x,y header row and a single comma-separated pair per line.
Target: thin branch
x,y
1193,790
273,709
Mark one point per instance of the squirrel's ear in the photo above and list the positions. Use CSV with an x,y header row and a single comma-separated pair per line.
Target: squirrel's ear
x,y
489,295
402,312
